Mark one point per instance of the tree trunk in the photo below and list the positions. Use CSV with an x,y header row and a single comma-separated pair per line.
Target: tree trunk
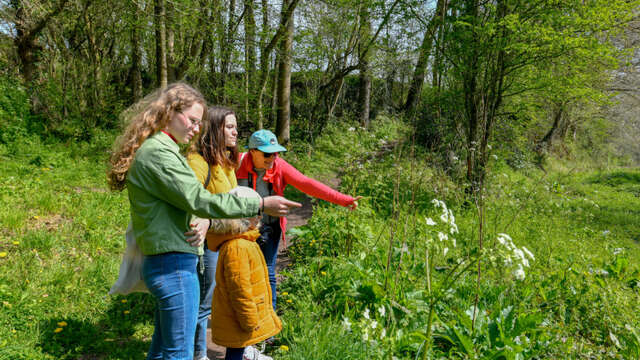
x,y
265,53
136,56
26,42
364,92
250,57
415,89
161,44
283,118
547,140
225,49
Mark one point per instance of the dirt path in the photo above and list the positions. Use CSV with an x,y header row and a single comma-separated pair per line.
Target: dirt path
x,y
298,217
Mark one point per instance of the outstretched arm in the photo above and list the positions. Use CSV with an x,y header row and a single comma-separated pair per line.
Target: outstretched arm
x,y
315,188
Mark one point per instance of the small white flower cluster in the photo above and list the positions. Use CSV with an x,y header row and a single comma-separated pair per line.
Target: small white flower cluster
x,y
368,326
449,221
515,257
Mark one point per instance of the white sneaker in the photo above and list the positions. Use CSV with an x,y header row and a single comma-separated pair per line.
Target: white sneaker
x,y
251,353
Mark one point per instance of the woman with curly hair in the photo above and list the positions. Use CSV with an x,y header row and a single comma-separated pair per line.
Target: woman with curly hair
x,y
164,194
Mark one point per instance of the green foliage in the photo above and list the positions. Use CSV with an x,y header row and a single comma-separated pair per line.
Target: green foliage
x,y
14,110
577,297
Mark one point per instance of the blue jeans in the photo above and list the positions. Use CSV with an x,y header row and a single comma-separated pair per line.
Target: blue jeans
x,y
269,240
207,283
172,279
234,354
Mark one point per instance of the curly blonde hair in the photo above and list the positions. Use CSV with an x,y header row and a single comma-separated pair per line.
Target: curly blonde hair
x,y
144,119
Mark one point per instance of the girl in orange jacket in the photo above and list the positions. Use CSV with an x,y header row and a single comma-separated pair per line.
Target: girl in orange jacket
x,y
242,311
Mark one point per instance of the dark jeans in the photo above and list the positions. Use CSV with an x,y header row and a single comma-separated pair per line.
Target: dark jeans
x,y
269,241
207,283
234,354
172,279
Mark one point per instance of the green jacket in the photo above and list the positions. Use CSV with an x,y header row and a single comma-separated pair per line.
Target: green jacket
x,y
164,193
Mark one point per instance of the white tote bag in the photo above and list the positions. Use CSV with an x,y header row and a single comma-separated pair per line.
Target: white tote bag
x,y
130,277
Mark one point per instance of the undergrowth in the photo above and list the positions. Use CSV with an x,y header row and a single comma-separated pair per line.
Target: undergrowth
x,y
363,284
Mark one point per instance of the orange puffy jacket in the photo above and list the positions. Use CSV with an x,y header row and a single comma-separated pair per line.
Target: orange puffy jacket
x,y
242,313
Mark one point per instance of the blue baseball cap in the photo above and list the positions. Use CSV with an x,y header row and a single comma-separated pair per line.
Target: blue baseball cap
x,y
265,141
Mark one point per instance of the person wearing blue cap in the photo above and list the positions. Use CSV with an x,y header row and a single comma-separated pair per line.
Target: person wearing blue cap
x,y
267,173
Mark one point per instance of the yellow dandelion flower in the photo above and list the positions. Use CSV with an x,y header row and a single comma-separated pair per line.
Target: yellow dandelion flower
x,y
289,301
45,295
13,331
3,254
323,273
284,293
62,323
57,330
284,348
16,243
124,301
36,217
126,312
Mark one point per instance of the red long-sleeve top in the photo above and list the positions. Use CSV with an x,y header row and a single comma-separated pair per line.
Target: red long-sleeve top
x,y
282,174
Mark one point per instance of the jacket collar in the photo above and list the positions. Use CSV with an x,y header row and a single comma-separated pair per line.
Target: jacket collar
x,y
164,139
215,241
247,167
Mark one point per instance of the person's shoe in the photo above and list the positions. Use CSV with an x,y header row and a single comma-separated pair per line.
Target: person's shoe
x,y
203,358
251,353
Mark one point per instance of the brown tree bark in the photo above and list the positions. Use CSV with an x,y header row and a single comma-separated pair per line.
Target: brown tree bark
x,y
266,52
161,44
364,91
26,41
136,56
417,82
250,57
283,119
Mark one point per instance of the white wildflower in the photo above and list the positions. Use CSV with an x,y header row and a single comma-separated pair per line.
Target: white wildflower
x,y
405,248
365,336
453,229
617,251
382,310
438,203
430,222
442,236
352,129
453,242
489,146
346,323
445,217
519,254
383,333
519,273
494,156
454,158
508,261
446,250
504,236
606,232
452,219
374,324
366,313
529,253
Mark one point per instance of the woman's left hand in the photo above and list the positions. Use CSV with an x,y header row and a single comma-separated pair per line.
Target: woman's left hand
x,y
354,204
198,232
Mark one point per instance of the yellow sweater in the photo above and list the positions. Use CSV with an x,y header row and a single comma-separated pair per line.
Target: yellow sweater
x,y
222,179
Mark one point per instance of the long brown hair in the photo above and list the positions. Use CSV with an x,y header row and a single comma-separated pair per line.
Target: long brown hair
x,y
211,143
144,119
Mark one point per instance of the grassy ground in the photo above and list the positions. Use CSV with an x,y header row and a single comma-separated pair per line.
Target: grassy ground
x,y
62,235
